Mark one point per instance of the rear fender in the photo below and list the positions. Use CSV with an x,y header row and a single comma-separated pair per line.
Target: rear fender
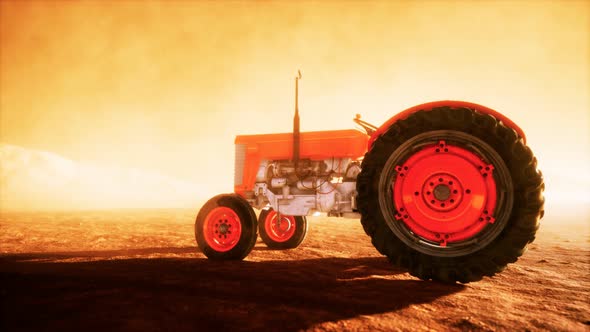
x,y
449,103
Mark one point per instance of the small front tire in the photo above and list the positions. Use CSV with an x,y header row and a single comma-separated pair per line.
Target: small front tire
x,y
286,232
225,228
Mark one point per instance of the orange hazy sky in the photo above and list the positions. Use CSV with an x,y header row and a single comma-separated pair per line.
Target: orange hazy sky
x,y
164,86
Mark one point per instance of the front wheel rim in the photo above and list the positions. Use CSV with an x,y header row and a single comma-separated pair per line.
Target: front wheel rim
x,y
222,229
279,229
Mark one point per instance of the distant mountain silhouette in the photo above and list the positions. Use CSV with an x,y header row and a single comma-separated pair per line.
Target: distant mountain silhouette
x,y
31,179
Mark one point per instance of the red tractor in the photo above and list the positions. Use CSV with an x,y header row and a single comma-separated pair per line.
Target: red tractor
x,y
448,190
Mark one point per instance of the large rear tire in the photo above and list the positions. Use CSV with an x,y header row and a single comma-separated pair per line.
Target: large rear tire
x,y
286,232
450,194
226,228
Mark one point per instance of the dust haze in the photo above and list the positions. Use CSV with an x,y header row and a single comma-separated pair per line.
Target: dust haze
x,y
110,105
163,87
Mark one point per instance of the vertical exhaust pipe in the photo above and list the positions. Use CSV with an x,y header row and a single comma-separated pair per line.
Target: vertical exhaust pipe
x,y
296,139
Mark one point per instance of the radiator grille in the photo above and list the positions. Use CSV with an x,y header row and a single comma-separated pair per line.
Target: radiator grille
x,y
240,160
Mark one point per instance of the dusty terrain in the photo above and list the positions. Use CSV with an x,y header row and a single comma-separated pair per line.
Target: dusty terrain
x,y
141,270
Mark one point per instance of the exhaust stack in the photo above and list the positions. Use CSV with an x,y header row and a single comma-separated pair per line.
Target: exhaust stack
x,y
296,139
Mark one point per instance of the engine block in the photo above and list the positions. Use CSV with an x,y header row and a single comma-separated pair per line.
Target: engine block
x,y
327,186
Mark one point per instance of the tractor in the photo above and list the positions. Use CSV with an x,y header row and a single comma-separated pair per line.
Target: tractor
x,y
447,190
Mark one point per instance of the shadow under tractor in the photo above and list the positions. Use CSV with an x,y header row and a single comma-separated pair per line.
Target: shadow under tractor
x,y
448,190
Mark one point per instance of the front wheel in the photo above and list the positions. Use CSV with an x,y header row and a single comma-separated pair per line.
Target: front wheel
x,y
450,194
279,231
225,228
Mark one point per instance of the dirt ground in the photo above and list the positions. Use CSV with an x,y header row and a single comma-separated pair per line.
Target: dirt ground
x,y
141,271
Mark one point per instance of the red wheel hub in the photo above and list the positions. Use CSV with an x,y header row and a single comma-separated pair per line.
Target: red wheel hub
x,y
222,229
444,193
279,229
